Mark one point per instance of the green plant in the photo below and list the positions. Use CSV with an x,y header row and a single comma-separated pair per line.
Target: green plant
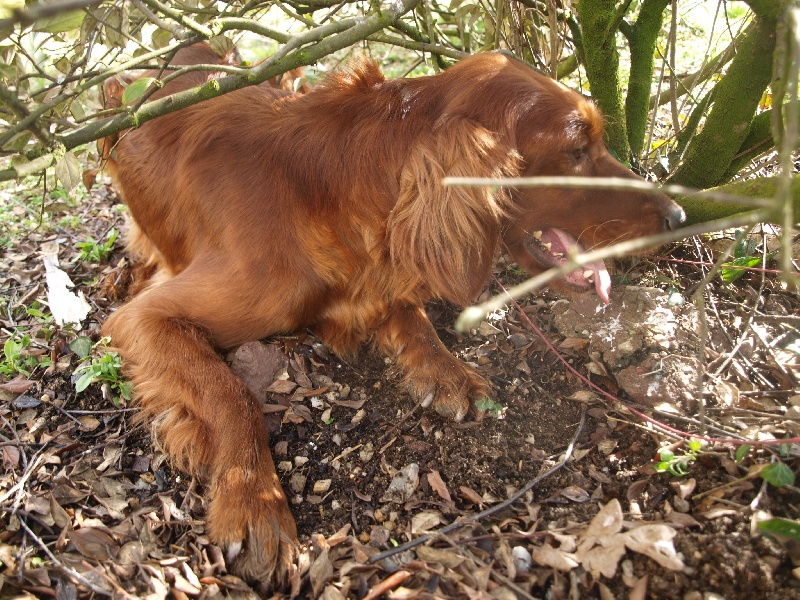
x,y
677,464
744,256
17,360
106,369
96,251
484,403
777,474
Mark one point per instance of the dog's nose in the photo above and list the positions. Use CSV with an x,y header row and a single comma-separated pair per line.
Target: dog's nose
x,y
675,217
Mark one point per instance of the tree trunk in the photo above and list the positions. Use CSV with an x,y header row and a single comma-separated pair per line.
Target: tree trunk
x,y
642,42
710,153
597,17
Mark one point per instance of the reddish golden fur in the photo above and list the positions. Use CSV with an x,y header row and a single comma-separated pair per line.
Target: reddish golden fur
x,y
266,212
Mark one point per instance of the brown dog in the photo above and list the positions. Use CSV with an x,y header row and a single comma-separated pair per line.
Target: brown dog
x,y
267,212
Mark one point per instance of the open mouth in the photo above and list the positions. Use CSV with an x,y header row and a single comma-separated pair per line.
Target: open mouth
x,y
552,248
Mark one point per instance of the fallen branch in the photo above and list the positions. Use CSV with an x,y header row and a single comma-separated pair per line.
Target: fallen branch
x,y
489,511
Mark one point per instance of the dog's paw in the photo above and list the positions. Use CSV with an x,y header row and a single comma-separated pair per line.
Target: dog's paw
x,y
453,395
250,518
265,556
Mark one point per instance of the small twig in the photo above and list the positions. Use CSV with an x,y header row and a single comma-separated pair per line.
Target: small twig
x,y
391,582
61,566
19,486
777,319
494,509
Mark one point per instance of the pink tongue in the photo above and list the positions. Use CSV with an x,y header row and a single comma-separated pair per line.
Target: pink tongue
x,y
602,279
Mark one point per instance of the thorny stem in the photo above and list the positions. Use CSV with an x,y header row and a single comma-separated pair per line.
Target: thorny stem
x,y
638,413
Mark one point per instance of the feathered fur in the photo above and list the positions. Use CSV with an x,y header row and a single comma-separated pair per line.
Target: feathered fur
x,y
267,211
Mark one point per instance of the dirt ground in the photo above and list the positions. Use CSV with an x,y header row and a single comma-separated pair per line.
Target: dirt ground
x,y
89,506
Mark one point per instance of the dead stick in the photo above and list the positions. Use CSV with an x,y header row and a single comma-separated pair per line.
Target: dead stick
x,y
391,582
70,572
489,511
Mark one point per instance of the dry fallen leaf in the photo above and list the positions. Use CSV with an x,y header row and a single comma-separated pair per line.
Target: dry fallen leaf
x,y
425,521
403,484
438,486
447,558
321,570
655,541
470,495
548,556
93,543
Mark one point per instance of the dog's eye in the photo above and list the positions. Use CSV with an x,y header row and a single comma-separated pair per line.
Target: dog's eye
x,y
580,154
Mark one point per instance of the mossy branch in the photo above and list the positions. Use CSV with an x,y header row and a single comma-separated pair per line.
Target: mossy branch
x,y
602,69
701,210
642,41
326,40
737,94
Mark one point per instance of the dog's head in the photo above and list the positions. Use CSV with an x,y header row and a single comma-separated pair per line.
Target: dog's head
x,y
499,118
559,133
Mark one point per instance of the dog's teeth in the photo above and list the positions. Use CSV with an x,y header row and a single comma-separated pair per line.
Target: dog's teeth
x,y
588,273
558,254
547,245
537,234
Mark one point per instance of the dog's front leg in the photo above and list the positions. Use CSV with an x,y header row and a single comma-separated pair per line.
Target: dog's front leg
x,y
211,425
434,376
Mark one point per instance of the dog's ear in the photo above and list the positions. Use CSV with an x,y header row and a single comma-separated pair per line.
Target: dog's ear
x,y
447,236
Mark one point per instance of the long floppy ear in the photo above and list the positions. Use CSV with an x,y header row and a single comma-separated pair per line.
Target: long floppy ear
x,y
447,235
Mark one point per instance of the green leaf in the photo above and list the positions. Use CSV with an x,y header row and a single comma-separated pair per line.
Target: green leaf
x,y
84,381
487,404
68,171
63,65
136,89
782,527
61,22
731,273
778,474
666,454
11,349
7,72
742,451
160,38
126,389
695,445
81,346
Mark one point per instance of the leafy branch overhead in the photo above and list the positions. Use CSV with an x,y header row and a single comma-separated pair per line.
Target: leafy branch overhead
x,y
55,57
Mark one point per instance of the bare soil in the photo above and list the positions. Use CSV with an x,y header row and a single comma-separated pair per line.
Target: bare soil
x,y
87,501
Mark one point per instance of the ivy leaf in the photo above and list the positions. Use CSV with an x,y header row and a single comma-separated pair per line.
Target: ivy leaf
x,y
778,474
136,89
81,346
